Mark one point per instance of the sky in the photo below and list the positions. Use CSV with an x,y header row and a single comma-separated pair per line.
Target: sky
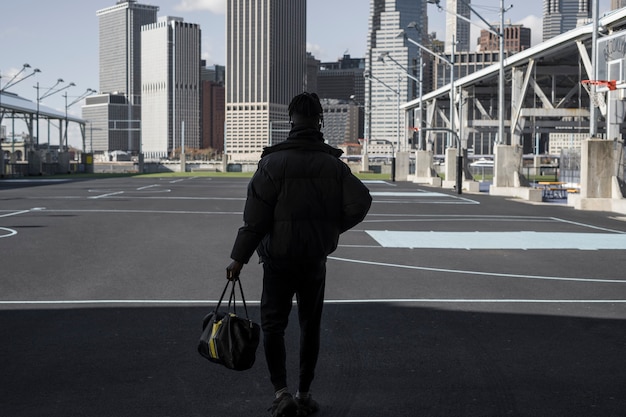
x,y
61,37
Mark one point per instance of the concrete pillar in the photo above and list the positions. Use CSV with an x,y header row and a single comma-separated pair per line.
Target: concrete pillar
x,y
507,162
402,166
450,168
141,163
423,163
183,162
597,167
34,163
63,164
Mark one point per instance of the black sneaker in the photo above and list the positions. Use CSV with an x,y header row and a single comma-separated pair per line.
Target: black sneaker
x,y
307,406
284,406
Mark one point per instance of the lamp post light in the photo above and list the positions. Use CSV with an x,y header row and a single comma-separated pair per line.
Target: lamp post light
x,y
14,81
50,91
452,134
406,73
450,63
500,34
370,77
366,132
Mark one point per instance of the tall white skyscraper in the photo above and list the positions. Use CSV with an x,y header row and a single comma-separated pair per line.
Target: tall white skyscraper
x,y
559,16
170,86
114,114
457,30
388,58
265,69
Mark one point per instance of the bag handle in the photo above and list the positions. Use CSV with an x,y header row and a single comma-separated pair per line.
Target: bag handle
x,y
231,298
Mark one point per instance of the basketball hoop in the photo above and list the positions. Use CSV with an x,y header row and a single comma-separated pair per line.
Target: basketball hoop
x,y
610,84
597,97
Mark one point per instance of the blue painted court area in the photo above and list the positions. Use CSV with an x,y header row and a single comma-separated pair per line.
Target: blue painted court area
x,y
498,240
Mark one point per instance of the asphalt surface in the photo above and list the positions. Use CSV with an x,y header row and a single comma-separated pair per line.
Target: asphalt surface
x,y
481,306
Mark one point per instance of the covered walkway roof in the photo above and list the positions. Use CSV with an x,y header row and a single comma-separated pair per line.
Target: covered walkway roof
x,y
12,103
543,95
552,49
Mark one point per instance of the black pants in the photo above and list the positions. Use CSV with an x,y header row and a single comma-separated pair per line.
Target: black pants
x,y
280,282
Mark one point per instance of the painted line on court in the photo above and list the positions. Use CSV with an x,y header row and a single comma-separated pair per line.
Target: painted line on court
x,y
106,195
147,187
15,213
10,232
481,273
341,301
238,213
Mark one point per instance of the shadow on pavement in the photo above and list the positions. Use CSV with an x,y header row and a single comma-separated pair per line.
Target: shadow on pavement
x,y
376,360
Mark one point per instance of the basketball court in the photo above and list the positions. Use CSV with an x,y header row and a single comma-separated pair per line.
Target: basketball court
x,y
437,304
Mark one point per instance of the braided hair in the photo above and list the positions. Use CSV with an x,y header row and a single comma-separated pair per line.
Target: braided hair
x,y
306,106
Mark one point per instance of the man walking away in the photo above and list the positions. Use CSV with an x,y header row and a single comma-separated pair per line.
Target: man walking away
x,y
301,198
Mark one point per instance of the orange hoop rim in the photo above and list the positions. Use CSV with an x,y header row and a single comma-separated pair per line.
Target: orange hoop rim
x,y
610,84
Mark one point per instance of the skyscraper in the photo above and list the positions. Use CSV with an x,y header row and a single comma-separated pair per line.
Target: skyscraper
x,y
562,15
389,58
457,30
617,4
265,69
114,114
170,86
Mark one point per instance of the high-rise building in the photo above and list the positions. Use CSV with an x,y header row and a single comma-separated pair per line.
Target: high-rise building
x,y
562,15
170,87
212,107
389,58
617,4
341,122
457,30
516,39
265,69
343,80
114,114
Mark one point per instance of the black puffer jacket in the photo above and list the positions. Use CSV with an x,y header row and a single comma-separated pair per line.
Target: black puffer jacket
x,y
301,198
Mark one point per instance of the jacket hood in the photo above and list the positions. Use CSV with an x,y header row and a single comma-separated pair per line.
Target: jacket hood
x,y
305,139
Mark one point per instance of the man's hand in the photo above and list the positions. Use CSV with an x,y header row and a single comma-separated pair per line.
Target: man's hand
x,y
233,270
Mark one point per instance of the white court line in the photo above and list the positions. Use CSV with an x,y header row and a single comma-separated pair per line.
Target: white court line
x,y
407,194
106,195
11,232
147,186
490,274
343,301
15,213
239,213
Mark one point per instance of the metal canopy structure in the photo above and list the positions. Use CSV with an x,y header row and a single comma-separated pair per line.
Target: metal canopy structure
x,y
543,94
13,106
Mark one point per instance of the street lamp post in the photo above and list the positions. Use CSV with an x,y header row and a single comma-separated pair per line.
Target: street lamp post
x,y
406,73
364,156
14,81
50,91
500,34
384,84
451,132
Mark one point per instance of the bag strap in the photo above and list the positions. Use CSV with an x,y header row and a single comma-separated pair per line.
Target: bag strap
x,y
222,297
232,298
243,299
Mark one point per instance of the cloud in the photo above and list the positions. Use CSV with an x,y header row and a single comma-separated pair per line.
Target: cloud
x,y
213,6
536,28
316,50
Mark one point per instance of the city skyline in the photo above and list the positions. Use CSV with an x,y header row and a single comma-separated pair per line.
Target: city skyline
x,y
69,49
